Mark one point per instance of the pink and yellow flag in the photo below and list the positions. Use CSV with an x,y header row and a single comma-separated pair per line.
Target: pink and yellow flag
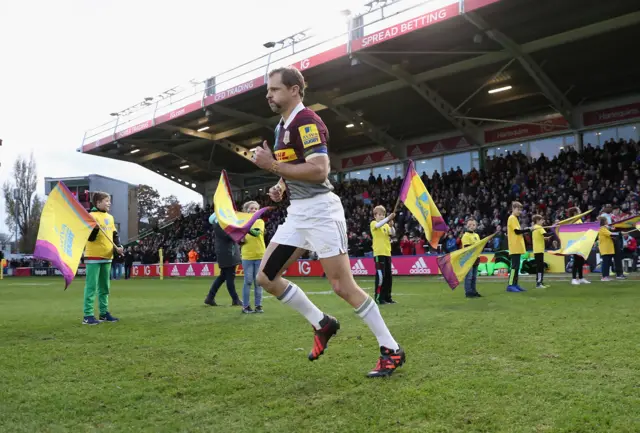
x,y
570,220
65,227
627,223
417,199
577,239
235,224
456,265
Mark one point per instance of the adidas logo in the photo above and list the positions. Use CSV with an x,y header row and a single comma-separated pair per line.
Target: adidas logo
x,y
416,151
439,147
175,272
462,143
387,157
205,272
419,267
190,272
358,268
349,163
367,160
394,271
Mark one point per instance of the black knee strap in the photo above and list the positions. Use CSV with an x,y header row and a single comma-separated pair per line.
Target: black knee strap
x,y
278,258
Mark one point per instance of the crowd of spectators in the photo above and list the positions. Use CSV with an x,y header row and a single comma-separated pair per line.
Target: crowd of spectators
x,y
547,187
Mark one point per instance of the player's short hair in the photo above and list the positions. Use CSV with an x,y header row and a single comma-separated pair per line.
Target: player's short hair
x,y
471,219
573,211
290,77
516,205
98,196
379,209
537,218
603,220
245,207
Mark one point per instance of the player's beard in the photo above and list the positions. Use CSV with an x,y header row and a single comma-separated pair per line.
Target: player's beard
x,y
275,107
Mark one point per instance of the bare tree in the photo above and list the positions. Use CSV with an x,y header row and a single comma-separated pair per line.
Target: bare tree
x,y
5,239
190,208
171,208
22,205
148,203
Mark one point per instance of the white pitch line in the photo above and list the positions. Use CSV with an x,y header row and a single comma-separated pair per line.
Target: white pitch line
x,y
29,284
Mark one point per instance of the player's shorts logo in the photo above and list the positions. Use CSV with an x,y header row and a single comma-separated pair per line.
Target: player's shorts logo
x,y
309,135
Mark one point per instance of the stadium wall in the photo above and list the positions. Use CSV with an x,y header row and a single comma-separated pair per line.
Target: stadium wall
x,y
363,266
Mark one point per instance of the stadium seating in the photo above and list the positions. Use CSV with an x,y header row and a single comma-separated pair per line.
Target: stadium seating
x,y
591,179
547,187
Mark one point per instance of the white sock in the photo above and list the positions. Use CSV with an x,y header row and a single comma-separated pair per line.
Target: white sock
x,y
370,313
297,299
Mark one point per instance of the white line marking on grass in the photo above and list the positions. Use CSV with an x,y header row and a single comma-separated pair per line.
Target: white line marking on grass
x,y
29,284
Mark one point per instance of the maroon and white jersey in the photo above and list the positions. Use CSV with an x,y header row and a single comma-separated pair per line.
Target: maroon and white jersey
x,y
302,137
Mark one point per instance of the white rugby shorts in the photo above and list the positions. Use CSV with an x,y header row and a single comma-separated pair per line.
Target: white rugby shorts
x,y
315,224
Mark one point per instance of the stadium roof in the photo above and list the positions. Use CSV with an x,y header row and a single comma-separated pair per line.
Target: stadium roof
x,y
424,72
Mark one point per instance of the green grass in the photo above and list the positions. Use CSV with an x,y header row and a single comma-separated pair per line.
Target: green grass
x,y
564,359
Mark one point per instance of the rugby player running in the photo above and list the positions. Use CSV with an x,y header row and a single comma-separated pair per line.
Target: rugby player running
x,y
315,221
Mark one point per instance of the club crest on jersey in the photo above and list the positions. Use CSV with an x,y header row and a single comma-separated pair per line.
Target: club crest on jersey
x,y
309,135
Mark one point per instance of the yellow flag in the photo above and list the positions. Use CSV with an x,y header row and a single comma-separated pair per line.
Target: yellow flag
x,y
235,224
627,223
417,199
65,227
570,220
577,239
456,265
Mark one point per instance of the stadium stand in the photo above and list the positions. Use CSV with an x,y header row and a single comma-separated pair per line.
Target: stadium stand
x,y
589,180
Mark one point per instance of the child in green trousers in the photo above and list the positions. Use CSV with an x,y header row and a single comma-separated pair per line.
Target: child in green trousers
x,y
98,256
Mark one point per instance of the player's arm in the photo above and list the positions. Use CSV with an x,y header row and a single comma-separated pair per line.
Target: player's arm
x,y
314,170
310,139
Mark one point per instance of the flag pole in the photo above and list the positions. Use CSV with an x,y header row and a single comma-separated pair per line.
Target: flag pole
x,y
395,208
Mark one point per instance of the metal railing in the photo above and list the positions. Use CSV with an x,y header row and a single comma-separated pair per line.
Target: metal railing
x,y
381,14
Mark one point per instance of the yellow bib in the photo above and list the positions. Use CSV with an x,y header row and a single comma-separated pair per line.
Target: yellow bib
x,y
101,248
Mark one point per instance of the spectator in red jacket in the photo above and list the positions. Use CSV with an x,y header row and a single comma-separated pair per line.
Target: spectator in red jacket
x,y
630,251
418,245
406,246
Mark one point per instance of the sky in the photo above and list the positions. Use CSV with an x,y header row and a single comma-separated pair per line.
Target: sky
x,y
66,64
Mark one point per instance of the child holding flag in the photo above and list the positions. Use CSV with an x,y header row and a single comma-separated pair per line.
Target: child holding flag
x,y
606,247
538,235
469,238
381,233
252,252
516,245
578,261
98,257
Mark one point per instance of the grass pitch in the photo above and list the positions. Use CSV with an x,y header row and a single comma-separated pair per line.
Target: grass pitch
x,y
563,359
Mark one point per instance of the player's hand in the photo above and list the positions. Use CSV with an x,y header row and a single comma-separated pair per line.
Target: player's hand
x,y
120,251
392,216
262,157
275,193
